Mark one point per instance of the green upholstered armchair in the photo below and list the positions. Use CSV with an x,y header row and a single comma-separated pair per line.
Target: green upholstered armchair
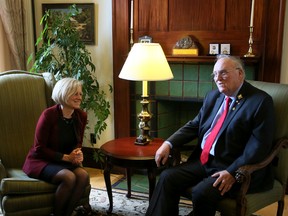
x,y
246,204
23,97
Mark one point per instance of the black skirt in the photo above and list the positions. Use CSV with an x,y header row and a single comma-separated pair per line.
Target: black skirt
x,y
52,169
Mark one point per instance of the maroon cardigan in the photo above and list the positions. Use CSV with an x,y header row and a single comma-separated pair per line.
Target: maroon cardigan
x,y
46,140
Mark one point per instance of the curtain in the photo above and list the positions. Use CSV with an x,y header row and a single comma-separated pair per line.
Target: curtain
x,y
6,61
12,16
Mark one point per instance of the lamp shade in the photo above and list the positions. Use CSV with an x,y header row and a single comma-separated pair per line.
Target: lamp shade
x,y
146,62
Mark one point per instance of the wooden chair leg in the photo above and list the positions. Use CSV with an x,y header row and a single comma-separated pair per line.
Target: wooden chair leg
x,y
128,176
241,207
280,208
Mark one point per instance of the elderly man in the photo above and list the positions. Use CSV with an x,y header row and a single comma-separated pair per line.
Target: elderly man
x,y
233,128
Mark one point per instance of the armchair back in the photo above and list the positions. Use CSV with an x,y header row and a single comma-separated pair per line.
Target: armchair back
x,y
279,93
23,97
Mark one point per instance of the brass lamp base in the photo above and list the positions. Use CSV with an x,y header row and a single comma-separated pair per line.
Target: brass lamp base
x,y
140,140
144,116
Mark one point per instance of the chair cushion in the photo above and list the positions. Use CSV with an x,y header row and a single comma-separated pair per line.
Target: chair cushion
x,y
28,204
19,183
255,201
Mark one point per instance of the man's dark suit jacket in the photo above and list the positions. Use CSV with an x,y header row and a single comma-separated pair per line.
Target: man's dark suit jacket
x,y
245,137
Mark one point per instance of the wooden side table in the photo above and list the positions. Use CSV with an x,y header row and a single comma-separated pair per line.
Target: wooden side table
x,y
124,153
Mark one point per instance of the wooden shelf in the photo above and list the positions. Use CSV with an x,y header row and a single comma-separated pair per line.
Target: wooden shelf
x,y
206,59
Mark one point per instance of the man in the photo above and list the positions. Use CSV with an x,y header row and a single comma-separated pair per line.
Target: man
x,y
244,137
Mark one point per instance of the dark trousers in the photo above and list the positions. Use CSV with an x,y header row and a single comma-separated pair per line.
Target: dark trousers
x,y
175,180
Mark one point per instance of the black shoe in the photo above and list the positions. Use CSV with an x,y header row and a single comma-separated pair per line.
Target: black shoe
x,y
81,211
191,213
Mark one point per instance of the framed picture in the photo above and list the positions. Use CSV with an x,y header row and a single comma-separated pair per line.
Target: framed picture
x,y
84,22
145,39
225,49
213,49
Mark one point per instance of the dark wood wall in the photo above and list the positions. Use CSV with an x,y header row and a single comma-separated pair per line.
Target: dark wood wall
x,y
206,21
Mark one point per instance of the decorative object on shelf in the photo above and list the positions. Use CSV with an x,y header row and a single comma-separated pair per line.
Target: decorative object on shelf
x,y
145,62
225,49
185,46
145,39
131,23
213,49
250,41
250,50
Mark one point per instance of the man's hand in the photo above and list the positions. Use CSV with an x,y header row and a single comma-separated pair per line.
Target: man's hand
x,y
225,181
162,154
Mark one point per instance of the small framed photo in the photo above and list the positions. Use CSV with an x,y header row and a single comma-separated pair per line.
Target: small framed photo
x,y
213,49
225,49
145,39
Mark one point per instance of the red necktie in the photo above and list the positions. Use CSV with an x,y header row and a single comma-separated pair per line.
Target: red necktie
x,y
212,136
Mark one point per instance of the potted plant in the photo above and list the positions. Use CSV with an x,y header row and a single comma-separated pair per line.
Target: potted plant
x,y
62,53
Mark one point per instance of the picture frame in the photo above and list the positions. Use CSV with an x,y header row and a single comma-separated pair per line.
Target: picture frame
x,y
213,49
84,22
225,49
145,39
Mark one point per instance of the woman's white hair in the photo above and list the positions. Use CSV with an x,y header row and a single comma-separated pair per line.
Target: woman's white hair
x,y
64,89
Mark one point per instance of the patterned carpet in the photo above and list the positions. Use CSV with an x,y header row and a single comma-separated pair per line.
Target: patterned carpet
x,y
123,206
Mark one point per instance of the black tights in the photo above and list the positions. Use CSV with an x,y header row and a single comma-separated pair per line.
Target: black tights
x,y
72,185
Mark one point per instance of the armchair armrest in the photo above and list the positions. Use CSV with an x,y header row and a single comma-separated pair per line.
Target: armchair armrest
x,y
243,174
3,173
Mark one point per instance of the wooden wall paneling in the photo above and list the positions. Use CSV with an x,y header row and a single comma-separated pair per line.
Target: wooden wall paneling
x,y
226,21
121,13
195,15
152,15
272,45
259,20
237,16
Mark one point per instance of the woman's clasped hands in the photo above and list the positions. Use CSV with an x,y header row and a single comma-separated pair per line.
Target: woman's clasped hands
x,y
76,156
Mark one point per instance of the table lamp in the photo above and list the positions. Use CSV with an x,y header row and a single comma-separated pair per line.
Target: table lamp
x,y
145,62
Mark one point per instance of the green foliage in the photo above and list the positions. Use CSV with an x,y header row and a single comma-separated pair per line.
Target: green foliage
x,y
99,157
61,52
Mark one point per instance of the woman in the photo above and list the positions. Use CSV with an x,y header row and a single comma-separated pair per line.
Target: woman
x,y
56,155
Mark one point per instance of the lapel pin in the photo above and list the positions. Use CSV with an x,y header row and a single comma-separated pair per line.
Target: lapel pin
x,y
239,97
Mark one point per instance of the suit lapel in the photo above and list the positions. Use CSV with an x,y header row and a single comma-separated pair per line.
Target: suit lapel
x,y
240,100
232,112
